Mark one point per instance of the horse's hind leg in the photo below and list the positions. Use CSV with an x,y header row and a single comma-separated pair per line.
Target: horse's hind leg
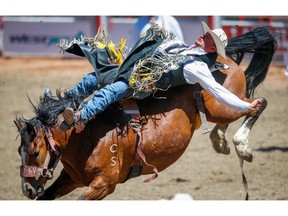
x,y
219,142
240,138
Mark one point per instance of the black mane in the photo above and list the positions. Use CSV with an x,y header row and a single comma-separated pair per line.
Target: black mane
x,y
48,108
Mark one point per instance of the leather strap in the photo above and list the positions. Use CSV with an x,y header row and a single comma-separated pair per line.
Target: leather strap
x,y
142,156
52,142
130,107
199,103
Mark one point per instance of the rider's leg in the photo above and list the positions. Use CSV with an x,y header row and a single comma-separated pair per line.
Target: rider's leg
x,y
83,89
86,87
98,103
104,97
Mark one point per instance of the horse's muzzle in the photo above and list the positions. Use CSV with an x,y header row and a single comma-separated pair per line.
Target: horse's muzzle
x,y
31,192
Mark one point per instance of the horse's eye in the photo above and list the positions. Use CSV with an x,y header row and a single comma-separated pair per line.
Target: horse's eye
x,y
36,154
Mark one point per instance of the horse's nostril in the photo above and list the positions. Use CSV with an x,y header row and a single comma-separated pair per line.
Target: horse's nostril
x,y
32,193
40,191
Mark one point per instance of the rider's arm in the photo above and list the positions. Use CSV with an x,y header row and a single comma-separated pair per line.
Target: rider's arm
x,y
198,72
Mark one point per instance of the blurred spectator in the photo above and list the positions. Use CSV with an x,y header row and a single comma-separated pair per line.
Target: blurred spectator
x,y
167,22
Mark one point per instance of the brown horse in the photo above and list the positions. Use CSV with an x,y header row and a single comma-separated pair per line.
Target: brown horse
x,y
108,152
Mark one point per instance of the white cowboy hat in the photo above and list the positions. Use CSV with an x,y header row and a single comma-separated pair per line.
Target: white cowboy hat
x,y
219,37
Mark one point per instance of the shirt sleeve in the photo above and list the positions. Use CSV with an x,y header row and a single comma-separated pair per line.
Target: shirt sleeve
x,y
198,72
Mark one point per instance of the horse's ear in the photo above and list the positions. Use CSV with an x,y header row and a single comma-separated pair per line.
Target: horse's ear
x,y
18,122
30,128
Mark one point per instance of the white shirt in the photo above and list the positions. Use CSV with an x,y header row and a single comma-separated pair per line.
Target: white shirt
x,y
197,71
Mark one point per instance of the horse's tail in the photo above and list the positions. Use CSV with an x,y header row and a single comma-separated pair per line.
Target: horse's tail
x,y
262,45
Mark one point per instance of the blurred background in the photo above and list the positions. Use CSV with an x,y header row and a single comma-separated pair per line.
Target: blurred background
x,y
30,61
38,35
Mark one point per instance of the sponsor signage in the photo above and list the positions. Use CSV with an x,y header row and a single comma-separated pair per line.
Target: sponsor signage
x,y
40,38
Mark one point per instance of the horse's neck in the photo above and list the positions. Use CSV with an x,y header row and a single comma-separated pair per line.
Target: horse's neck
x,y
60,138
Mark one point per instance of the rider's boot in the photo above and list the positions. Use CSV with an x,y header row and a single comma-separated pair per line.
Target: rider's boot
x,y
72,119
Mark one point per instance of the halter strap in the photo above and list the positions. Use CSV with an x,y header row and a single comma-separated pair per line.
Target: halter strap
x,y
51,141
33,171
44,171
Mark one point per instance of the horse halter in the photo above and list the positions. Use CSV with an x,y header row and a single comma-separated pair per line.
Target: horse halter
x,y
43,171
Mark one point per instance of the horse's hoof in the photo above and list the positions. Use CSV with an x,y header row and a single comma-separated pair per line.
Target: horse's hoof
x,y
226,150
221,147
244,152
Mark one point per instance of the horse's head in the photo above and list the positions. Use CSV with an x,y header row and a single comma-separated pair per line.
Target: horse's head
x,y
38,155
37,149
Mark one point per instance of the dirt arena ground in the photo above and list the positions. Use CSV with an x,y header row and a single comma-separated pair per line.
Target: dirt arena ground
x,y
200,172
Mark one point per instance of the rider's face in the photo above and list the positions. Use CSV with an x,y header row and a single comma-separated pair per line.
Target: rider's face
x,y
206,42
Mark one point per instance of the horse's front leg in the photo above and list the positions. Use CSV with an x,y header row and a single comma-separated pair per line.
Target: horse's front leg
x,y
219,142
62,186
240,139
98,189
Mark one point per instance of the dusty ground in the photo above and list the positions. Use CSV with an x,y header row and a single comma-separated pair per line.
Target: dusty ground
x,y
200,172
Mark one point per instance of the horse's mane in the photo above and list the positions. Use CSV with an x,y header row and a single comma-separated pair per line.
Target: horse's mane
x,y
49,107
262,45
